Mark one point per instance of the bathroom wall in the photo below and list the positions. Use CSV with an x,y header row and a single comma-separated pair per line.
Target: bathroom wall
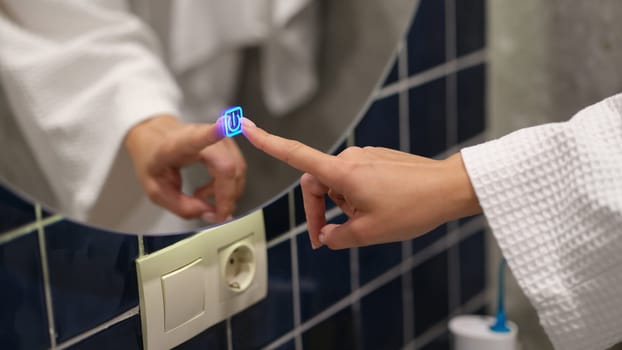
x,y
547,60
67,286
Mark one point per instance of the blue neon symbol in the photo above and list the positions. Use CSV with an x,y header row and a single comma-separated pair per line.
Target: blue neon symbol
x,y
232,120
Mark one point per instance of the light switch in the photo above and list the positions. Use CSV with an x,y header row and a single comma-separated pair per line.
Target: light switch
x,y
183,297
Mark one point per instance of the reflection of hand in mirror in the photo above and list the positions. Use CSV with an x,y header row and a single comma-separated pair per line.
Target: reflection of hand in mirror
x,y
388,195
162,145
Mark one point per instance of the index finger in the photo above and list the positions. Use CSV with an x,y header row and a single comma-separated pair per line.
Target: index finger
x,y
294,153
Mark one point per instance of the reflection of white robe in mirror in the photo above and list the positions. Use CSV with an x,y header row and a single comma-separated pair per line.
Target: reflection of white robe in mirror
x,y
79,74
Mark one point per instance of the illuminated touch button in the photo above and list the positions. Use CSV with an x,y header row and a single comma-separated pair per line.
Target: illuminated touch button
x,y
184,294
232,120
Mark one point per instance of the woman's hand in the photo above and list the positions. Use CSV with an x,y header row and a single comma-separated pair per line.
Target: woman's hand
x,y
388,195
162,145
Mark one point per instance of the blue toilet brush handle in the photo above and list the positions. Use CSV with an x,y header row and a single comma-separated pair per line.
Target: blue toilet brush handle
x,y
500,325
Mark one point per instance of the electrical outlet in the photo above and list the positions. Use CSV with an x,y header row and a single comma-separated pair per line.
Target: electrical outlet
x,y
237,267
197,282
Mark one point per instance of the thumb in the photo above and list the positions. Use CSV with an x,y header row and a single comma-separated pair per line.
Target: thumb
x,y
189,141
344,235
203,135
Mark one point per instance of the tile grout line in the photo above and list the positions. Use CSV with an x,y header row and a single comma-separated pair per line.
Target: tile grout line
x,y
408,314
18,232
355,291
229,334
403,108
45,269
451,107
293,246
435,248
141,245
453,273
408,301
122,317
444,69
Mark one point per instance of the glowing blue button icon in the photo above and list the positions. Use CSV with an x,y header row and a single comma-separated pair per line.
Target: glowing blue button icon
x,y
232,120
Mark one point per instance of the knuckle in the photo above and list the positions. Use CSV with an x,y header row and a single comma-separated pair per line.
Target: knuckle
x,y
306,180
227,168
152,190
350,152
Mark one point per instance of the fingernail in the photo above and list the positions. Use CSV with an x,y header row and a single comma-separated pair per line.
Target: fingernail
x,y
248,123
209,217
229,218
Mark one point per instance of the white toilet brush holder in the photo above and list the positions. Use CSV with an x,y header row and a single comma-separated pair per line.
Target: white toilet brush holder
x,y
473,332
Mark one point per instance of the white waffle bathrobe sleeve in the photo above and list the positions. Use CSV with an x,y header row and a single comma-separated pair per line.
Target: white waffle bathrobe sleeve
x,y
78,76
552,195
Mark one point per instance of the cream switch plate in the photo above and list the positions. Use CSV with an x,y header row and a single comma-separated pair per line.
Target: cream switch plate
x,y
197,282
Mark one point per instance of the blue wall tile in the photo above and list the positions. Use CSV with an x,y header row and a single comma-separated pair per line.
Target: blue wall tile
x,y
23,320
392,75
427,118
440,343
431,292
92,276
287,346
380,126
341,146
276,217
324,276
381,317
127,332
465,220
426,38
471,102
154,243
337,332
270,318
299,207
376,259
214,338
470,26
14,211
425,240
472,266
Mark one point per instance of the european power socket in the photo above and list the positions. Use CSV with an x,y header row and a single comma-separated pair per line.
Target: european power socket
x,y
237,267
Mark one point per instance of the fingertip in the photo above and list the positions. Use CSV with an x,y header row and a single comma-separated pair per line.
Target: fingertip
x,y
249,129
247,123
209,217
220,127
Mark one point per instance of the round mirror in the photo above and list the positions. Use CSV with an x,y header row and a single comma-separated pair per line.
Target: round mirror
x,y
354,44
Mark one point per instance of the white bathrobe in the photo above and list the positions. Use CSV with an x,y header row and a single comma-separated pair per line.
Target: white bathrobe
x,y
79,74
552,195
